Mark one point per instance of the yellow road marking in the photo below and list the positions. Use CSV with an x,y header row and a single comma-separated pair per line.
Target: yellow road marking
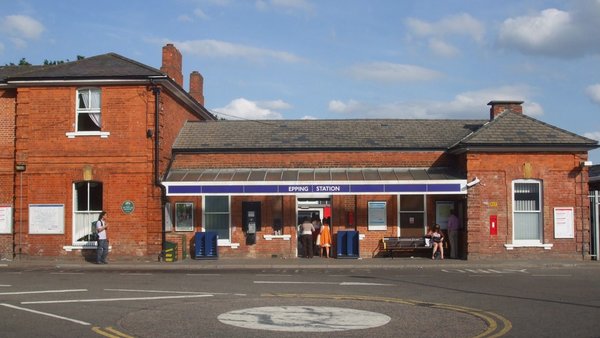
x,y
110,332
489,318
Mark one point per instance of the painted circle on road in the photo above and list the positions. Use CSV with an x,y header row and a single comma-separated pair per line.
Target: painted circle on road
x,y
303,318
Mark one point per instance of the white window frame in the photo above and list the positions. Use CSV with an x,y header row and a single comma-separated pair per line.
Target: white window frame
x,y
84,217
91,110
539,212
401,211
221,241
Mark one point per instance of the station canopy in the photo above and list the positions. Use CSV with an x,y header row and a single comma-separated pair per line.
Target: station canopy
x,y
306,181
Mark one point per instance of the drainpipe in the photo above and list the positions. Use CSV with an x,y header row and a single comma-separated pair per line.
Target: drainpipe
x,y
156,92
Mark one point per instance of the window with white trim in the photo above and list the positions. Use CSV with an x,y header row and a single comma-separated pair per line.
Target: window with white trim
x,y
527,212
88,117
216,216
87,205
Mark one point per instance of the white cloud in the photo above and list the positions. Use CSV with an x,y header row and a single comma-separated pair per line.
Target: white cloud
x,y
20,29
593,92
286,5
392,72
442,48
184,18
461,24
471,105
554,32
220,49
200,14
242,108
595,135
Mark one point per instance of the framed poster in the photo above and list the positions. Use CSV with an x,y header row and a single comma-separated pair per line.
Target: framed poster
x,y
564,223
377,216
184,216
5,220
46,219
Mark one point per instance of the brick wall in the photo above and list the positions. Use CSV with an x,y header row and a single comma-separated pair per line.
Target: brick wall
x,y
123,162
561,183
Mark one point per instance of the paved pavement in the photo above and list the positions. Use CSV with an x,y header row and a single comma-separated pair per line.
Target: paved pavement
x,y
280,263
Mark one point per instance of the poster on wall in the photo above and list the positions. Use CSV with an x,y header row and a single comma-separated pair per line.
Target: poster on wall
x,y
564,223
5,220
377,216
442,212
46,219
184,216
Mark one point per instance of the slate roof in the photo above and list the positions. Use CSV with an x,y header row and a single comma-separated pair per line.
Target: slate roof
x,y
513,129
110,65
508,131
225,135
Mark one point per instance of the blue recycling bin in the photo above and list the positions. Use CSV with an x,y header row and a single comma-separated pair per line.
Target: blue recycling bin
x,y
347,244
205,245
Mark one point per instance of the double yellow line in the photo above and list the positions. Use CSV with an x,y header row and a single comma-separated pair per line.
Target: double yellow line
x,y
110,332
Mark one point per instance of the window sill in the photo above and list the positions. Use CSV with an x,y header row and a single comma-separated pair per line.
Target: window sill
x,y
229,244
272,237
512,246
86,246
73,134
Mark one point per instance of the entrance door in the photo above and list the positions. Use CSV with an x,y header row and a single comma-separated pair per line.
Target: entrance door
x,y
310,213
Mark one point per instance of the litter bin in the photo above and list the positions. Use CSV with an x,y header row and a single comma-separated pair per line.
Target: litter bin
x,y
205,245
347,244
170,252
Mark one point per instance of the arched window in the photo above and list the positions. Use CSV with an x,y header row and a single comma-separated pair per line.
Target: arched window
x,y
87,205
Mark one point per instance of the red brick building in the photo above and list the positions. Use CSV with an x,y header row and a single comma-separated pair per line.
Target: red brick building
x,y
85,136
108,133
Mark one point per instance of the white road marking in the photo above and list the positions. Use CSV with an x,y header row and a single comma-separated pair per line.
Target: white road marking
x,y
5,285
45,291
203,274
66,273
320,283
558,275
271,275
162,291
45,314
135,274
112,299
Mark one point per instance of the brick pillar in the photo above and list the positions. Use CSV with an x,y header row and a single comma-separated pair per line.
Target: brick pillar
x,y
171,63
197,86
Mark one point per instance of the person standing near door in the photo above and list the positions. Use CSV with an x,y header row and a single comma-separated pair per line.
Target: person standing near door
x,y
102,250
307,229
453,231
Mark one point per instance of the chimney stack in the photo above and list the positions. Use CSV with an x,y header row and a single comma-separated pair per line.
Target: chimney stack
x,y
197,87
171,63
498,107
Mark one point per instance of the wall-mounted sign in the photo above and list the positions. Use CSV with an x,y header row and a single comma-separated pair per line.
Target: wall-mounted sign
x,y
46,219
377,216
128,207
5,219
563,223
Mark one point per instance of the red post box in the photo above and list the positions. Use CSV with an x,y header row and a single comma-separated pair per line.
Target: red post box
x,y
493,225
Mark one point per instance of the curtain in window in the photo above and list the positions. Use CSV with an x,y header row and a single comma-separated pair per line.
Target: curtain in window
x,y
527,211
95,104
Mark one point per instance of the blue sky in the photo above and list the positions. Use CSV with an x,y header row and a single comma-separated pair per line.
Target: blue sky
x,y
293,59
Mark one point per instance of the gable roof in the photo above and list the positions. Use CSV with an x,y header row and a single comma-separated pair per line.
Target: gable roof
x,y
514,130
109,65
225,135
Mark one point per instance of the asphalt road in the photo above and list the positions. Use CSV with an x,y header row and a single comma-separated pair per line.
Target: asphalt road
x,y
432,301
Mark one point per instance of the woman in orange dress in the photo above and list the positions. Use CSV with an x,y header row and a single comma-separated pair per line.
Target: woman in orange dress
x,y
325,237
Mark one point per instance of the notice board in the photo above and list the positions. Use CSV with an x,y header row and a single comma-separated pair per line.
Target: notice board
x,y
5,219
564,223
46,219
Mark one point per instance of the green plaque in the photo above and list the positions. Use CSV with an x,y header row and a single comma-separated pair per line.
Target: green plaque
x,y
127,207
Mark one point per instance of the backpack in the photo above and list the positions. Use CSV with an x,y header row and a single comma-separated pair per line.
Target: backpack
x,y
94,233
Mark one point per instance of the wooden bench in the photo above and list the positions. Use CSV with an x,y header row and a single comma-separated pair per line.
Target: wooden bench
x,y
390,245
